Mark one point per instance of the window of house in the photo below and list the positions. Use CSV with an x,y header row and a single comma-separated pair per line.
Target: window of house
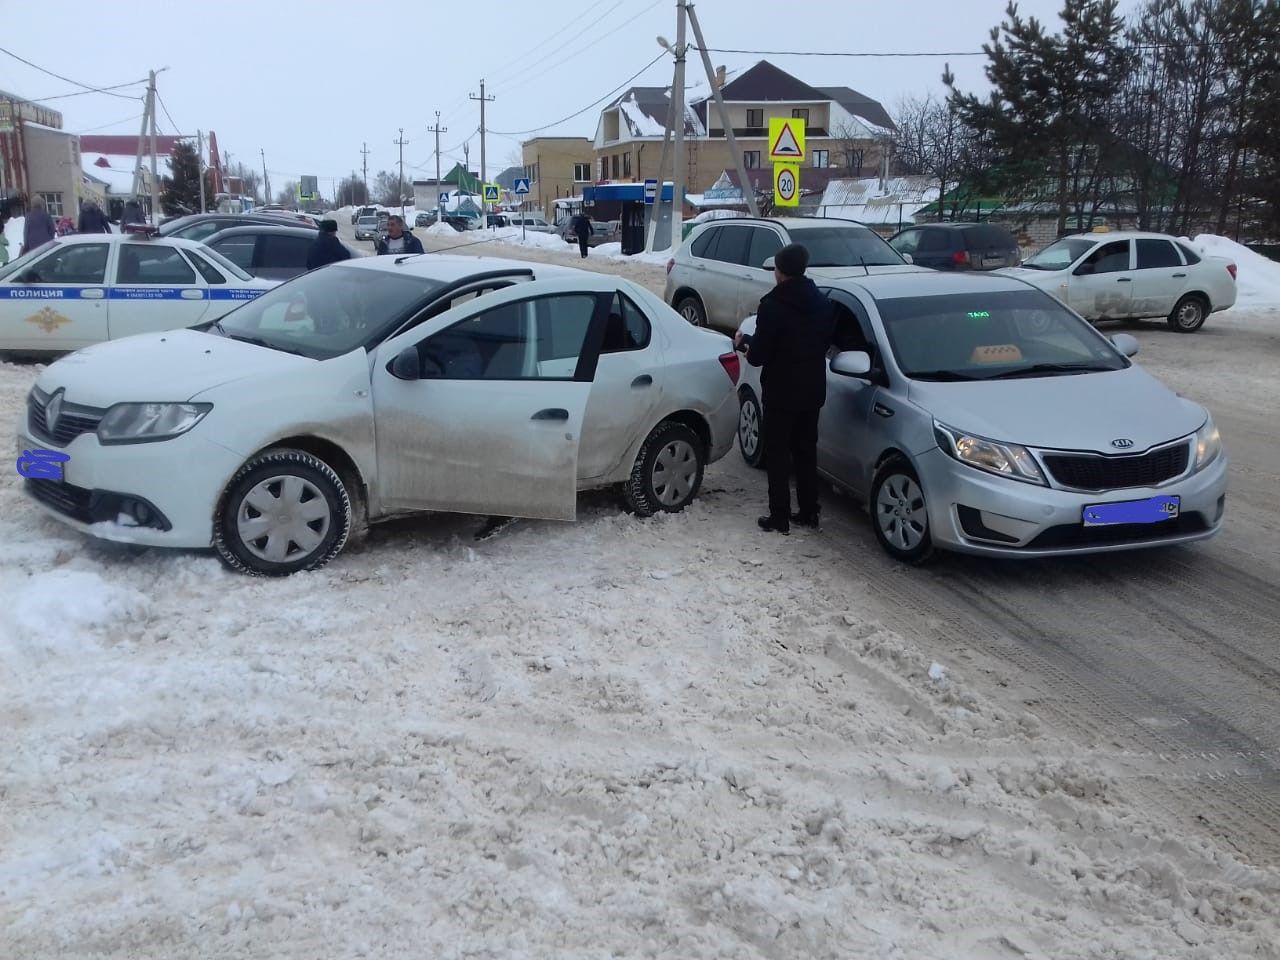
x,y
801,113
626,164
755,118
53,203
751,159
821,158
581,172
604,169
614,165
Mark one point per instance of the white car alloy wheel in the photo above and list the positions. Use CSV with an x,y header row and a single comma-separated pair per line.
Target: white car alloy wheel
x,y
750,429
899,515
692,310
668,470
284,511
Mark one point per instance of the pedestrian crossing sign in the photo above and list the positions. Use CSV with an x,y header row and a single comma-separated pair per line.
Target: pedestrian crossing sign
x,y
786,139
490,193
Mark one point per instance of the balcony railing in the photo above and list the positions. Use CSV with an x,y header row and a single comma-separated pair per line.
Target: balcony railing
x,y
716,133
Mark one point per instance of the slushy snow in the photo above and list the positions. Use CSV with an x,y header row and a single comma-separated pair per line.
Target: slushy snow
x,y
1257,278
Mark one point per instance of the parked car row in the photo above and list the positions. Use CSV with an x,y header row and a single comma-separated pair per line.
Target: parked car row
x,y
602,231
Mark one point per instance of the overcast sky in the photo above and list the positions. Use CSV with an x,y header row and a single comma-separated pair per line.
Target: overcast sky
x,y
309,82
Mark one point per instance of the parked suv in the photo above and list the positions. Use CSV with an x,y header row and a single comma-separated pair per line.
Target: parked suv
x,y
958,246
721,271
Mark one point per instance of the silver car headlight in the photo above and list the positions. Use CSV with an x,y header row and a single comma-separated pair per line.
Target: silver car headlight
x,y
149,422
1003,459
1208,444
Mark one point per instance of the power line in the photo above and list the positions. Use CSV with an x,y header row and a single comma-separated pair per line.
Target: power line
x,y
529,51
136,116
518,133
85,93
176,128
75,83
833,53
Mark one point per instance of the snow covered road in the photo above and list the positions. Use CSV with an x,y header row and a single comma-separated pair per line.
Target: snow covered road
x,y
630,738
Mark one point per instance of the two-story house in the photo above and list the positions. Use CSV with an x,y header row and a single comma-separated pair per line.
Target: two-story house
x,y
843,128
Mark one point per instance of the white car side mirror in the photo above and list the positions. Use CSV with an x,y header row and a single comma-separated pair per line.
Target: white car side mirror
x,y
907,257
1125,343
851,363
768,264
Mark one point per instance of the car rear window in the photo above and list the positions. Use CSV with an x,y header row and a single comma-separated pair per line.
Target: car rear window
x,y
989,237
1191,255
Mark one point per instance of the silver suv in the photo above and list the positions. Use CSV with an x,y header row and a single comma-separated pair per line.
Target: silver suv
x,y
721,271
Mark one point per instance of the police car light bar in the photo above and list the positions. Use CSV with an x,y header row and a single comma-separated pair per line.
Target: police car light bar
x,y
140,229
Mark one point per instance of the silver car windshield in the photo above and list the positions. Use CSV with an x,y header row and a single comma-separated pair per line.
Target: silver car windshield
x,y
845,246
1060,254
992,336
328,312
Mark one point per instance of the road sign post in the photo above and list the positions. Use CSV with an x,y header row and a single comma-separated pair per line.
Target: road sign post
x,y
522,191
650,192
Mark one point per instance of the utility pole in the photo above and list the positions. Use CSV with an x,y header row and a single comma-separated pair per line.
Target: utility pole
x,y
365,151
437,130
483,171
677,101
400,181
155,176
200,166
142,138
266,181
655,214
748,191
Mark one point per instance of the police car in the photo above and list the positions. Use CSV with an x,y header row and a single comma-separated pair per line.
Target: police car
x,y
85,288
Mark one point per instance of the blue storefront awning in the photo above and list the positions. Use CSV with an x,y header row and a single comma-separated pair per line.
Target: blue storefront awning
x,y
604,192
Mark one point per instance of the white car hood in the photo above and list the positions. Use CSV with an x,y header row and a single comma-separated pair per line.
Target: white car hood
x,y
1076,412
171,366
1040,278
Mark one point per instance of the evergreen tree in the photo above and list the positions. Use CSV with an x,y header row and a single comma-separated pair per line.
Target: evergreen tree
x,y
182,188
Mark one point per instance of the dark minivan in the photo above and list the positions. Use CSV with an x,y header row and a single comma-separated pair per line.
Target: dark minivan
x,y
958,246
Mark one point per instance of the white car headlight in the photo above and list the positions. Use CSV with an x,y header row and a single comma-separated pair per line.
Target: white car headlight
x,y
1208,444
149,422
1003,459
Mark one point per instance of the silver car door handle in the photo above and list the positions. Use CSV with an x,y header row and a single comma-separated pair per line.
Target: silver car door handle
x,y
1125,280
1179,274
190,294
551,413
643,380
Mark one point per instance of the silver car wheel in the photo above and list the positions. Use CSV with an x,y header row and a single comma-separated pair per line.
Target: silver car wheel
x,y
283,518
1190,314
675,471
749,427
901,513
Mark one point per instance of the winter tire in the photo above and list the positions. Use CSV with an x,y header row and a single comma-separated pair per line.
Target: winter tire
x,y
899,514
750,428
1189,314
691,308
668,470
284,511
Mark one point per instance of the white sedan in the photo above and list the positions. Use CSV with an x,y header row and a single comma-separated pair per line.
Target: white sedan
x,y
379,387
1132,275
85,288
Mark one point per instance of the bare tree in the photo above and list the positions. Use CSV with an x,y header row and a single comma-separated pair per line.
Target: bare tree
x,y
850,148
288,194
928,142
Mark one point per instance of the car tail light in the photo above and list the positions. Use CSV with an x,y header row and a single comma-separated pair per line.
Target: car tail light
x,y
731,365
961,257
1231,269
671,263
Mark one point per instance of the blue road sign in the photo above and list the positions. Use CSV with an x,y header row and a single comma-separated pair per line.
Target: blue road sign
x,y
650,192
522,185
444,198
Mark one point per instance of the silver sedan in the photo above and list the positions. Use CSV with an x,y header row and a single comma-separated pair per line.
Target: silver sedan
x,y
979,414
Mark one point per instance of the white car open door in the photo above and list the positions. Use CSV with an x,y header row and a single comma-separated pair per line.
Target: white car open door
x,y
480,409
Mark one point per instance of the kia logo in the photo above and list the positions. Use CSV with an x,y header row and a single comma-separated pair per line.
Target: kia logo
x,y
1122,442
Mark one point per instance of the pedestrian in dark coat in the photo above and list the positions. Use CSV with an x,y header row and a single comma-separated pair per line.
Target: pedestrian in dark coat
x,y
398,239
582,228
38,228
326,248
92,219
132,213
795,324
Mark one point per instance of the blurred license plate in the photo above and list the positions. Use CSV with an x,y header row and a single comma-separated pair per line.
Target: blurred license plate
x,y
1152,510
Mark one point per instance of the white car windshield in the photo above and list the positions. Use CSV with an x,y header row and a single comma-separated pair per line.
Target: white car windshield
x,y
845,246
993,336
1060,254
328,312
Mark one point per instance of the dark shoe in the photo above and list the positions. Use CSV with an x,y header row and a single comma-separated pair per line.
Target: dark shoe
x,y
805,520
769,525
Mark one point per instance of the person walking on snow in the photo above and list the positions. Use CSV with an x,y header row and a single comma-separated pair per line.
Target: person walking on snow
x,y
38,229
795,325
326,248
92,219
582,228
398,239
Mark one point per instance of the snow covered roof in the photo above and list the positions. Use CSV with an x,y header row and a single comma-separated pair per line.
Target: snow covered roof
x,y
643,113
116,171
863,199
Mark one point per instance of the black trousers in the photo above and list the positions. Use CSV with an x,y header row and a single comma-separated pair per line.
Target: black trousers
x,y
791,443
582,245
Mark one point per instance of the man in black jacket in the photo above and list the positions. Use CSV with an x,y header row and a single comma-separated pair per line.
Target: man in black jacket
x,y
326,248
92,219
794,328
398,239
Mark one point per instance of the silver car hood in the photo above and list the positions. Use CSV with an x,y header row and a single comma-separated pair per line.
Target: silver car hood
x,y
1077,412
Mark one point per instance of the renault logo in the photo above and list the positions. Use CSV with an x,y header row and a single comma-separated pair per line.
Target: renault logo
x,y
52,411
1122,443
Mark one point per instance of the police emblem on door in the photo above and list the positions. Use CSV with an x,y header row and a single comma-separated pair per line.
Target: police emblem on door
x,y
48,319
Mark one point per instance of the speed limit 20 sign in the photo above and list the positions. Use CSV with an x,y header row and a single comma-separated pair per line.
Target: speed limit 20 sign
x,y
786,184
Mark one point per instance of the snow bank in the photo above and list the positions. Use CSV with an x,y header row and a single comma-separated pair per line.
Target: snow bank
x,y
440,230
1257,278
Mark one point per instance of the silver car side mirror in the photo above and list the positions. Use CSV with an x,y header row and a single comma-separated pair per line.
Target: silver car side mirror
x,y
907,257
851,363
768,264
1125,343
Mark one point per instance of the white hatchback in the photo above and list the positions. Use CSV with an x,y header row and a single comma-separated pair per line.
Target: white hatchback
x,y
82,289
1132,275
379,387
